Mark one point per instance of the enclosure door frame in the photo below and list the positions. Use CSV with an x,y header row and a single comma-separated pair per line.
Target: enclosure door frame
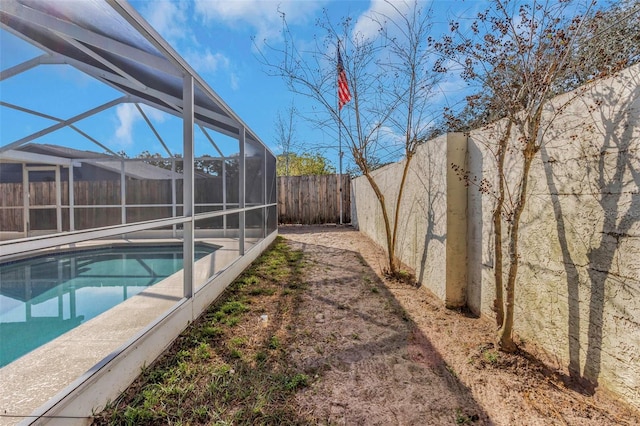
x,y
29,206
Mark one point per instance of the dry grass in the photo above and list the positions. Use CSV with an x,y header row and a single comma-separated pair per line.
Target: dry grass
x,y
230,366
344,344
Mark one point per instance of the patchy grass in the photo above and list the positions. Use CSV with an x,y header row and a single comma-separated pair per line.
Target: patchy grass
x,y
462,418
400,275
491,357
229,366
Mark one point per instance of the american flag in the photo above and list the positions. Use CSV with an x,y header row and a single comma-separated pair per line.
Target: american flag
x,y
343,88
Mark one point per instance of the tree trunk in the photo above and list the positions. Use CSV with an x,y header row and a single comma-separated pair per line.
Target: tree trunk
x,y
505,333
405,171
393,263
498,303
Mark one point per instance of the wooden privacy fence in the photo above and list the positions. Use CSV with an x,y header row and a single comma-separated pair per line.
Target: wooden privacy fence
x,y
145,200
313,199
301,199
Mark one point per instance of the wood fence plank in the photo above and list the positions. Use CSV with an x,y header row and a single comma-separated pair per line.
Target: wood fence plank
x,y
313,199
301,199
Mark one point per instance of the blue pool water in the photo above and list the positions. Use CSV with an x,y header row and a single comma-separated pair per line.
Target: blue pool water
x,y
43,297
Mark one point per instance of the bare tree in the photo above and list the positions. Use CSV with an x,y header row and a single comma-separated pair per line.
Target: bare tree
x,y
520,52
390,77
285,134
609,43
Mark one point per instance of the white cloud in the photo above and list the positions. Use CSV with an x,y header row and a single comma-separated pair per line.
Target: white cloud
x,y
169,19
391,138
127,115
367,26
261,15
155,115
207,61
235,81
449,92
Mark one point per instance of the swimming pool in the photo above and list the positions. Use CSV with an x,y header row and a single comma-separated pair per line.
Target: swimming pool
x,y
43,297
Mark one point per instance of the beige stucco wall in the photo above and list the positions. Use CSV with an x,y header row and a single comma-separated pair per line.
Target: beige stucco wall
x,y
578,291
422,239
579,277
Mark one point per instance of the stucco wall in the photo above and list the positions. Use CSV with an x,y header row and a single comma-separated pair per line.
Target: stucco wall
x,y
422,239
578,291
579,278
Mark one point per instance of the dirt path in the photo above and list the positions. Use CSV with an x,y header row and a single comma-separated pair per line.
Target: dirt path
x,y
385,353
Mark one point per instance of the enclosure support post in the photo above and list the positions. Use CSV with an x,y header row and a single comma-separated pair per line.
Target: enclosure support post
x,y
123,194
25,200
58,200
174,198
265,210
224,195
72,201
241,192
187,198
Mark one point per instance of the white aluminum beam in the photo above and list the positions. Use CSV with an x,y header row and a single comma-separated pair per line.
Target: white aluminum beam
x,y
131,15
59,120
69,30
22,67
174,104
62,124
27,245
29,157
72,200
123,194
224,195
211,141
188,195
174,196
153,129
95,141
99,58
25,203
241,189
264,193
58,200
115,80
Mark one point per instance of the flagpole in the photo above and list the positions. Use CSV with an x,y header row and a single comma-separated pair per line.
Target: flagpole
x,y
339,145
343,96
340,158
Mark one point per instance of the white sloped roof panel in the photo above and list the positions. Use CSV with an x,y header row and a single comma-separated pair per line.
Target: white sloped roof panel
x,y
110,41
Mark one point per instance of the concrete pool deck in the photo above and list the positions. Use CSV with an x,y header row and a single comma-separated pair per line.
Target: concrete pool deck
x,y
37,377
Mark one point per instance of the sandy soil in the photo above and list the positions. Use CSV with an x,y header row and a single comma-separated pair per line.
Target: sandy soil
x,y
387,353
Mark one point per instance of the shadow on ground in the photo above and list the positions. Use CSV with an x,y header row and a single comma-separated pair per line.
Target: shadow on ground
x,y
374,365
384,352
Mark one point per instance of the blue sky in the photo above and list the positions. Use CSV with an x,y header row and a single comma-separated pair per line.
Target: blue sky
x,y
216,38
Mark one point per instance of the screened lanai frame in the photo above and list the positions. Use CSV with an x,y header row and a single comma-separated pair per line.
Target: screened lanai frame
x,y
109,41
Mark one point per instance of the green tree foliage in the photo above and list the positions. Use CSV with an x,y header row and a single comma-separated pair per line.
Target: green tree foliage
x,y
203,166
303,164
